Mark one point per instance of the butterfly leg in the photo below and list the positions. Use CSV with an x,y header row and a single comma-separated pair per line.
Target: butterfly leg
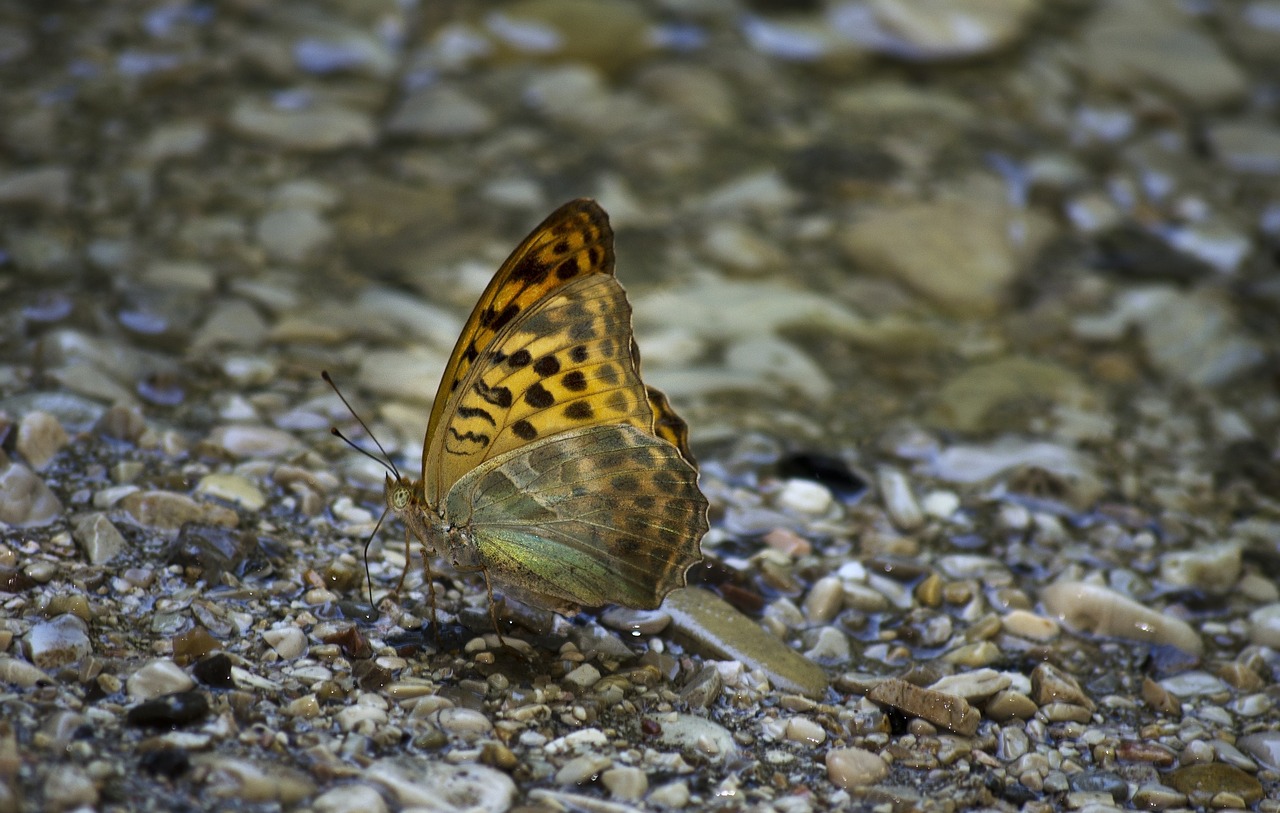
x,y
431,590
493,613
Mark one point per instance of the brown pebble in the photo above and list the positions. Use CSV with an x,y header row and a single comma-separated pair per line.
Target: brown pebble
x,y
1202,783
950,712
1159,698
1141,751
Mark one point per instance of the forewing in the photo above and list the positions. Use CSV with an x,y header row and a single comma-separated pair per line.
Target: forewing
x,y
603,514
574,241
565,363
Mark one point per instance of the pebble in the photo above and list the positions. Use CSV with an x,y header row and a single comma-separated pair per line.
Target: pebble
x,y
254,442
709,740
1050,684
40,438
357,798
824,599
716,626
1203,783
1025,624
317,129
98,538
582,677
69,787
899,501
944,710
805,497
582,770
1264,626
437,785
250,782
159,677
855,767
1263,746
975,686
25,500
805,731
168,512
466,724
674,795
1215,568
955,251
1100,611
15,672
625,783
1157,45
169,710
292,235
288,642
232,488
61,640
440,111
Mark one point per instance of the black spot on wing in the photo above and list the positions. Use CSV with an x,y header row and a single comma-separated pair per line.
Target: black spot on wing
x,y
579,411
546,366
574,381
524,430
519,359
530,270
579,353
539,397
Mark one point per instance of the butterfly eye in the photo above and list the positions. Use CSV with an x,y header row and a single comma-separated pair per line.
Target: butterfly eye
x,y
400,498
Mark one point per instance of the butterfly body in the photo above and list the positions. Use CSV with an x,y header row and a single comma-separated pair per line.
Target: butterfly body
x,y
548,465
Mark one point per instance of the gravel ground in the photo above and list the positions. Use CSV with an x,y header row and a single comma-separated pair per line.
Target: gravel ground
x,y
971,307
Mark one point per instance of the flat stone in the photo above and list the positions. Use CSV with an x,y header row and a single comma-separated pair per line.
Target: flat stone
x,y
723,631
292,235
440,111
316,129
956,252
1156,44
944,710
1099,610
1203,782
241,441
233,489
436,785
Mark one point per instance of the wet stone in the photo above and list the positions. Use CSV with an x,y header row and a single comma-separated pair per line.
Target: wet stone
x,y
98,538
1100,782
358,798
61,640
625,783
169,711
316,129
166,511
855,767
160,677
1101,611
1201,783
254,441
40,437
944,710
233,489
717,626
214,671
25,500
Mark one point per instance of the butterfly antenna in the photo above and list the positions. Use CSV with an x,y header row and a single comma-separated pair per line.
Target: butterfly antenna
x,y
387,464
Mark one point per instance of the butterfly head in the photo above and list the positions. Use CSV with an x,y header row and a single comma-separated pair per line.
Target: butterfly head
x,y
397,494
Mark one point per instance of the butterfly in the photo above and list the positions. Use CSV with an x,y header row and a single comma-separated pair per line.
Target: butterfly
x,y
548,466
